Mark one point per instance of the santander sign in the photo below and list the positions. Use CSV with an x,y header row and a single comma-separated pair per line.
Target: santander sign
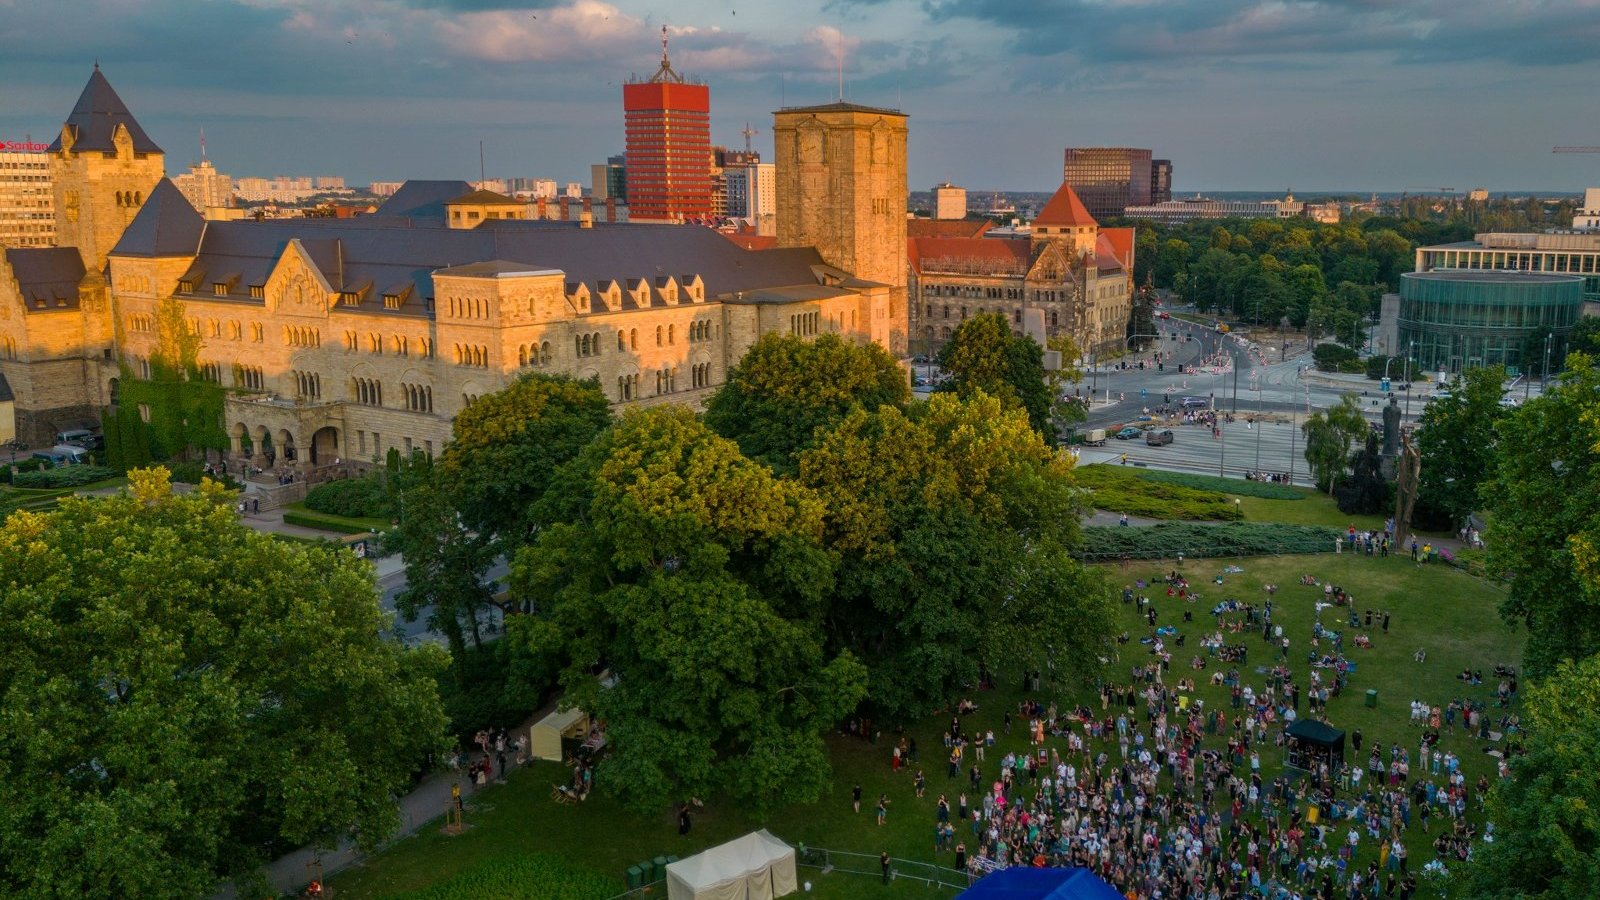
x,y
24,146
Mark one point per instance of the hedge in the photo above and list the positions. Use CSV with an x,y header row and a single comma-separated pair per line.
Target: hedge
x,y
351,497
537,876
1194,540
1123,491
66,476
323,522
1263,489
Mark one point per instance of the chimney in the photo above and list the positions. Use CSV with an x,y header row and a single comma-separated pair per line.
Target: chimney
x,y
611,209
543,207
565,205
588,204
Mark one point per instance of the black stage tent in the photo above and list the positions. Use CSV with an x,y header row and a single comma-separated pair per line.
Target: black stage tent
x,y
1311,742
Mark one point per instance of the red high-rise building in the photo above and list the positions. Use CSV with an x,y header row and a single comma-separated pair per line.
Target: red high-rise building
x,y
668,123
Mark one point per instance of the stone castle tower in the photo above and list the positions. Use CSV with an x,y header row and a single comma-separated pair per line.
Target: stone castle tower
x,y
841,188
104,167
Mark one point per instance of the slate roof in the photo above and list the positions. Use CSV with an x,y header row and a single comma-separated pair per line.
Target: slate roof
x,y
843,106
420,199
46,276
165,226
1064,210
397,253
96,116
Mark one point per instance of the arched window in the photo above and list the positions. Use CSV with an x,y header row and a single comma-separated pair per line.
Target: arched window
x,y
671,332
622,340
658,335
633,338
544,354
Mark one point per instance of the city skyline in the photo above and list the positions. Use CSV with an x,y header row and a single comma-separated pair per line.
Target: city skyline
x,y
1241,95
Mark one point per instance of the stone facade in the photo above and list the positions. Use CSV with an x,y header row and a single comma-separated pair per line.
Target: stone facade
x,y
341,339
842,188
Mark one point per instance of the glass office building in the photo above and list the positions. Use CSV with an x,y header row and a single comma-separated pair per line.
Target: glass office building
x,y
1455,320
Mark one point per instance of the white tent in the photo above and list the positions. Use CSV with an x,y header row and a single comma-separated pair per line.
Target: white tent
x,y
544,738
757,866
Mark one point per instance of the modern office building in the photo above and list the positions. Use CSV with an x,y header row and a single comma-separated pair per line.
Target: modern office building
x,y
1160,180
1206,208
1109,179
949,201
668,125
27,207
1455,320
1562,252
609,180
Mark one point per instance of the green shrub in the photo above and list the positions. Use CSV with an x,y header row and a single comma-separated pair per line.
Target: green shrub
x,y
66,476
323,522
1262,489
537,876
1194,540
22,465
193,472
1124,491
352,497
1334,358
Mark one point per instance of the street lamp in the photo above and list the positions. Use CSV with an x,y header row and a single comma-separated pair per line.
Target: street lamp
x,y
1411,349
1545,378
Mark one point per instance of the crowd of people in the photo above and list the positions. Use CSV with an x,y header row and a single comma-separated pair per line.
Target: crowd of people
x,y
1165,796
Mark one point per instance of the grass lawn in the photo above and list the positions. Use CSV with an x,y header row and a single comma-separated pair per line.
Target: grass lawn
x,y
1449,614
310,518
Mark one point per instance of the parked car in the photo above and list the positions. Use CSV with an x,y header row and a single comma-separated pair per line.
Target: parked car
x,y
1158,438
1129,433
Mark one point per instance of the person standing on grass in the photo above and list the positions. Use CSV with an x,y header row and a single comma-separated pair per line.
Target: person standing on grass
x,y
855,798
883,809
883,860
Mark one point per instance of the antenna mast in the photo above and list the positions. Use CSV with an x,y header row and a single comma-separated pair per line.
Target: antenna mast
x,y
202,145
841,66
482,171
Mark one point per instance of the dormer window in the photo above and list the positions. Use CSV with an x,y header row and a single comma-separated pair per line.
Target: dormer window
x,y
350,298
258,292
391,301
185,287
220,289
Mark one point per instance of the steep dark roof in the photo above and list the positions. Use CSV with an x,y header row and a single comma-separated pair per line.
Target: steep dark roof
x,y
96,116
423,199
165,226
391,254
47,276
485,198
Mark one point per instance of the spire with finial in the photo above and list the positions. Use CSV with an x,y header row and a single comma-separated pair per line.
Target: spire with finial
x,y
665,74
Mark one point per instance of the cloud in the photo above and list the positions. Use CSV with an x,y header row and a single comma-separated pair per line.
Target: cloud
x,y
585,29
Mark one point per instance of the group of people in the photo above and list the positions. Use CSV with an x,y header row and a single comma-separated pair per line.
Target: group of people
x,y
1164,796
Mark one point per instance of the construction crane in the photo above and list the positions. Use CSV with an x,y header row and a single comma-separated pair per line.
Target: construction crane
x,y
1576,150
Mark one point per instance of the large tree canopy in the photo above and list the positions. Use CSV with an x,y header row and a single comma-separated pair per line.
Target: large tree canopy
x,y
181,694
952,523
983,356
698,579
786,388
1457,443
1547,814
1544,516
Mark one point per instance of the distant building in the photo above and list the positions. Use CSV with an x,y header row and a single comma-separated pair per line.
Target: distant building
x,y
949,201
1160,180
574,191
472,209
1450,321
1206,208
1110,179
328,183
1572,253
27,207
668,125
609,180
1326,213
1478,194
383,188
285,188
1075,274
204,187
750,190
1588,216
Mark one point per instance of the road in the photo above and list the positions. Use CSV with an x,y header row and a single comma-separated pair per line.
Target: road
x,y
392,580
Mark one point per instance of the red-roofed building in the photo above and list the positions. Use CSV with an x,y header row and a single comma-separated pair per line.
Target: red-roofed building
x,y
1078,275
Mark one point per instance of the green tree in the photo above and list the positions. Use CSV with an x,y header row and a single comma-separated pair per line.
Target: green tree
x,y
1543,500
698,579
1329,436
184,696
983,356
1457,443
952,524
1547,832
1584,338
1306,291
786,388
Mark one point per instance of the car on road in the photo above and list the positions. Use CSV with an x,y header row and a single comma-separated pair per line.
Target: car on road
x,y
1129,433
1158,438
1195,403
1510,402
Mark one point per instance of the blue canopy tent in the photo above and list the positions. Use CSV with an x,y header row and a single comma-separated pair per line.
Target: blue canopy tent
x,y
1019,883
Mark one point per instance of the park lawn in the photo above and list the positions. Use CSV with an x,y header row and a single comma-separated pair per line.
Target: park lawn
x,y
1451,615
1316,508
310,518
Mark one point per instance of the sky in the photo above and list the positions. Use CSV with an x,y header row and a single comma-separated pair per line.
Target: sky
x,y
1369,95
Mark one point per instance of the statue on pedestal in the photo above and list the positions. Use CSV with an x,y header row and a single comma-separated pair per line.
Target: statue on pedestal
x,y
1391,439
